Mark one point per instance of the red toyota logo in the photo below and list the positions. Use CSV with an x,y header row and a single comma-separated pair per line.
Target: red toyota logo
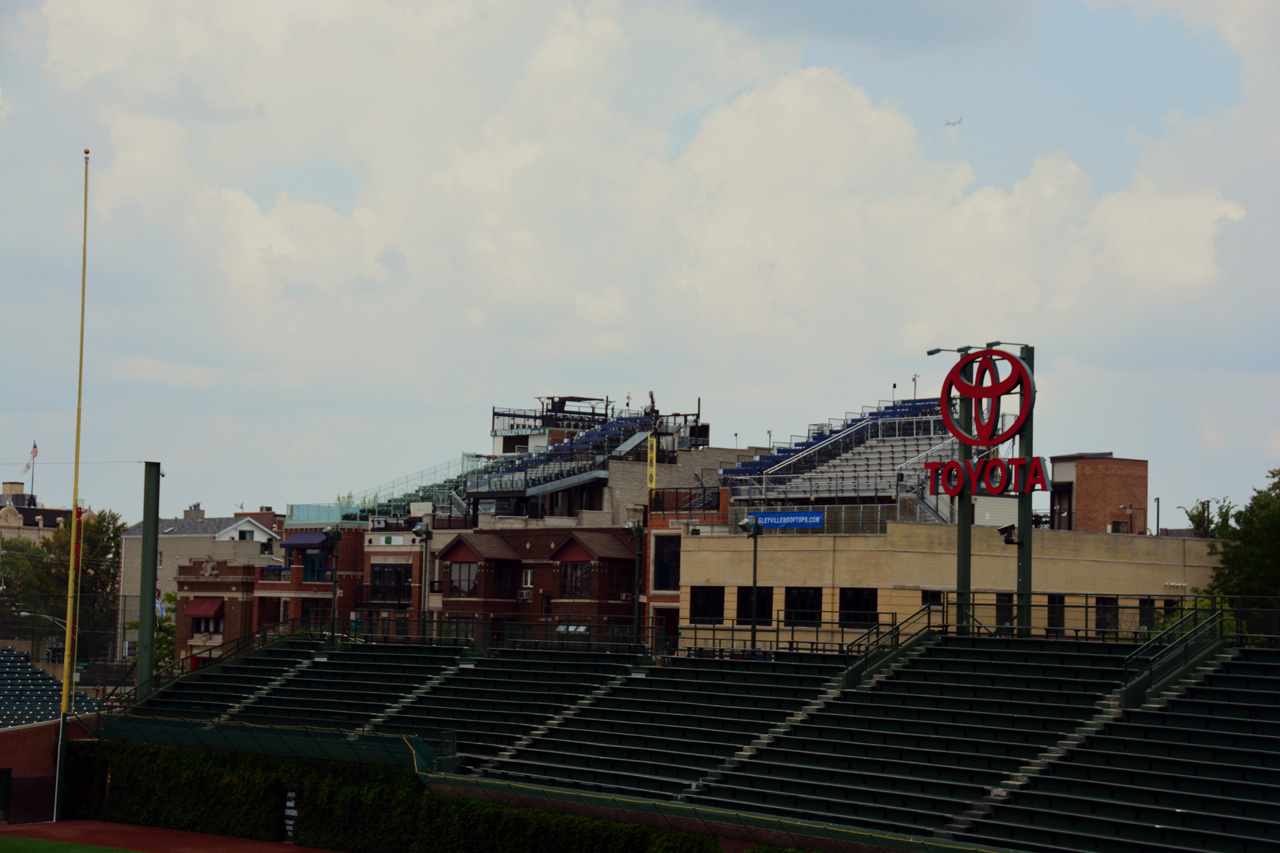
x,y
987,388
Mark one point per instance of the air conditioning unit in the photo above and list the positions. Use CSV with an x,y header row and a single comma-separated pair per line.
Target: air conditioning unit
x,y
524,595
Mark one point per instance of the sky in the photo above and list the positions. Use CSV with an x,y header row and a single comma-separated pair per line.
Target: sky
x,y
325,238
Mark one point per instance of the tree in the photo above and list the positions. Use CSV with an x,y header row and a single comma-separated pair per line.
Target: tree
x,y
1249,553
38,582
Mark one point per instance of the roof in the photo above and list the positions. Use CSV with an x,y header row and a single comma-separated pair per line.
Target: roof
x,y
486,545
603,544
188,526
32,515
308,539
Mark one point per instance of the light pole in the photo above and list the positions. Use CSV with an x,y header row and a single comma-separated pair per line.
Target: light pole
x,y
751,526
636,529
1025,521
964,517
424,535
335,536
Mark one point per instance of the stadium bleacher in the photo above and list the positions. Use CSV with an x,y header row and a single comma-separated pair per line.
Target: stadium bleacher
x,y
1008,742
1200,772
28,694
664,728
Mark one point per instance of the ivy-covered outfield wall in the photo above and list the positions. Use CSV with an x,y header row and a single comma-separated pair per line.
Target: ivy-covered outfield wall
x,y
358,808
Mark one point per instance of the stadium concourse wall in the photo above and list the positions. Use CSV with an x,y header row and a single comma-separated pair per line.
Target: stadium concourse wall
x,y
29,760
914,564
365,808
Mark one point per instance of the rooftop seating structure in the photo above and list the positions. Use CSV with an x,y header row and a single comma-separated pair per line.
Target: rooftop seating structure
x,y
914,750
28,694
491,702
859,456
1200,773
665,728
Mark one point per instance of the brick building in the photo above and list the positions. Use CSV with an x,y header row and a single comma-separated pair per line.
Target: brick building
x,y
564,577
215,604
237,540
1098,493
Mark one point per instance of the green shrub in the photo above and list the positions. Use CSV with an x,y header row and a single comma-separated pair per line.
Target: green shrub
x,y
358,808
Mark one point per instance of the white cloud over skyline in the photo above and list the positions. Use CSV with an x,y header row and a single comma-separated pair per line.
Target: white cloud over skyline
x,y
325,238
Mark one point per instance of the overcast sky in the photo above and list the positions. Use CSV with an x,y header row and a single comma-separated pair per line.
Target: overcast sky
x,y
325,238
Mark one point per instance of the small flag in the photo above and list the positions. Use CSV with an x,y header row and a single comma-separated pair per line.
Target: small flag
x,y
35,451
159,601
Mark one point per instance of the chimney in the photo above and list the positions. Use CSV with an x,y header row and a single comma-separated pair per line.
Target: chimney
x,y
193,512
14,488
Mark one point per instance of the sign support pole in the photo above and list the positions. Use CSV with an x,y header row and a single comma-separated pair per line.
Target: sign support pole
x,y
964,521
1025,524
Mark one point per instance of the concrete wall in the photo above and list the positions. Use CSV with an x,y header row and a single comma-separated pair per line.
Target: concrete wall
x,y
912,558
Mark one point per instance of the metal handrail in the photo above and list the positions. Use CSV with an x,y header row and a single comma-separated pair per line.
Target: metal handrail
x,y
1178,629
844,433
879,651
1170,659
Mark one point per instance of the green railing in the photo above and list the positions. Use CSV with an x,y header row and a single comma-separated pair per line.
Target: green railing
x,y
1169,654
876,649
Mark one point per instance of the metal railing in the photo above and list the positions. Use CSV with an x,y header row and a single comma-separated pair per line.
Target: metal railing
x,y
1170,653
878,648
787,631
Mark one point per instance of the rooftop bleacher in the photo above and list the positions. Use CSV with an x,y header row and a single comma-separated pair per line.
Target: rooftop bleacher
x,y
873,454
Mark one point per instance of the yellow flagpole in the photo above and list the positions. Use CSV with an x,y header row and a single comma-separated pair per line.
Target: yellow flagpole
x,y
75,521
75,491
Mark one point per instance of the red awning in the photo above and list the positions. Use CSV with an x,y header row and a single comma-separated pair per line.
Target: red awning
x,y
205,608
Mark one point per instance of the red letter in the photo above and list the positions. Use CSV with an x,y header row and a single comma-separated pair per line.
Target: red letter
x,y
1015,473
973,472
952,478
931,471
1035,474
994,465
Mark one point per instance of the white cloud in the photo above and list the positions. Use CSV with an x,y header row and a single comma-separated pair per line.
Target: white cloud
x,y
549,226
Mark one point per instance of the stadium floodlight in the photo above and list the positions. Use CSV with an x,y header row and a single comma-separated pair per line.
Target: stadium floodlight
x,y
934,351
961,350
994,344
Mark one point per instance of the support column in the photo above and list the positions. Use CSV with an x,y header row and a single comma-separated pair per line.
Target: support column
x,y
1025,523
964,518
147,584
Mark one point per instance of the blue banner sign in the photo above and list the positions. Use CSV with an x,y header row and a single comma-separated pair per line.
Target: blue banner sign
x,y
788,519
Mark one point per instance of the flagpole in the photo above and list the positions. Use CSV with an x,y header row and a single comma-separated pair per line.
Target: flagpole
x,y
75,519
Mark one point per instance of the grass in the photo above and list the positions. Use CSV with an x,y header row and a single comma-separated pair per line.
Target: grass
x,y
17,844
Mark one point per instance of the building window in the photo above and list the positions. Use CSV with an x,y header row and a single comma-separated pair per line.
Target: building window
x,y
246,535
930,598
666,562
575,580
504,582
1171,607
527,580
1120,527
315,567
206,625
706,605
1057,615
1107,615
464,580
803,605
764,605
859,607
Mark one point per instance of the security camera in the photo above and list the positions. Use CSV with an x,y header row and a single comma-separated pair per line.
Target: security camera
x,y
1007,532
